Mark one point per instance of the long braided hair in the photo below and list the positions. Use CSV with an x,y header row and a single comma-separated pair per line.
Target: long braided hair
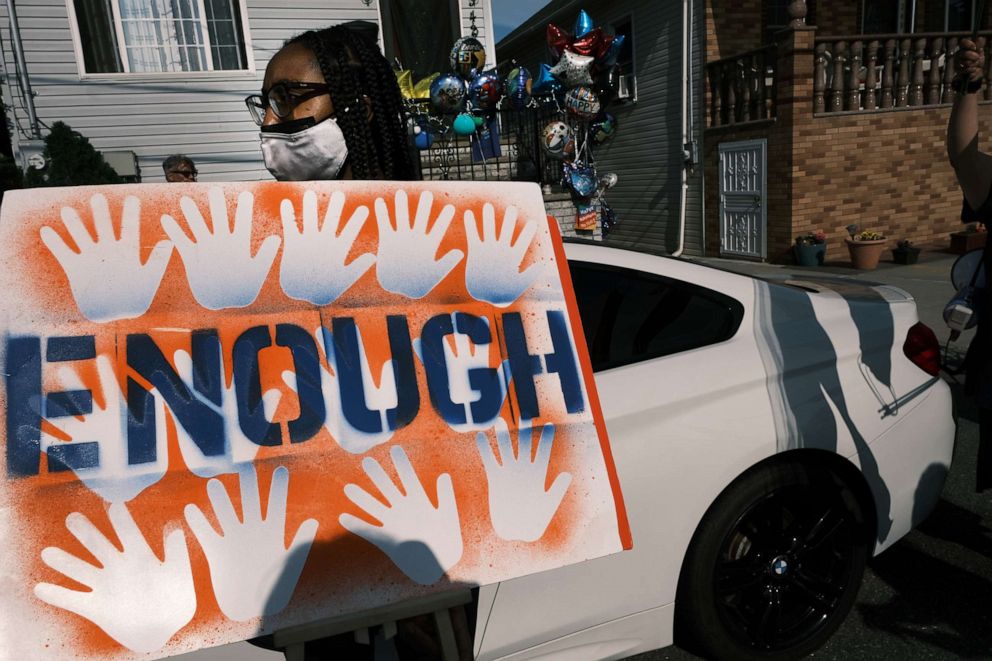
x,y
354,68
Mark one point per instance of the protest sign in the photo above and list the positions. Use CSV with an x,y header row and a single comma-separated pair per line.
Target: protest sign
x,y
234,408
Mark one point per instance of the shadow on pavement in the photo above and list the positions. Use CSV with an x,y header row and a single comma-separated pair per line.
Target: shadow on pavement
x,y
937,603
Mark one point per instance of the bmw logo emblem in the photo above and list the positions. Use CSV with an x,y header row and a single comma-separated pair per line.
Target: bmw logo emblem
x,y
780,566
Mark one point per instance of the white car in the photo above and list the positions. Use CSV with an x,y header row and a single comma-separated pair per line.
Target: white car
x,y
768,437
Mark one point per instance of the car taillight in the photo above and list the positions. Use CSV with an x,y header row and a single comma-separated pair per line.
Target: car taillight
x,y
921,347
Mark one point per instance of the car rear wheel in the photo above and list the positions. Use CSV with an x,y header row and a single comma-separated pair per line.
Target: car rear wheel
x,y
774,566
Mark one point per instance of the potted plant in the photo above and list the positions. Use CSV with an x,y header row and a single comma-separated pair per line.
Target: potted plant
x,y
811,248
865,247
905,252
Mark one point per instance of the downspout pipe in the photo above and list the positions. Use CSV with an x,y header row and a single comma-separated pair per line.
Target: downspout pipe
x,y
22,70
686,91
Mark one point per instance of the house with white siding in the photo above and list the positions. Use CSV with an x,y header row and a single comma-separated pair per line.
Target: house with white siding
x,y
142,79
657,149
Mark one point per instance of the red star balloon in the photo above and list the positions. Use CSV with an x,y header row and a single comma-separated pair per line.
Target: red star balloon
x,y
558,40
591,44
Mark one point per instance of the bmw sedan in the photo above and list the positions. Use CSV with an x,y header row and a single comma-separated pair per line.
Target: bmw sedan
x,y
769,437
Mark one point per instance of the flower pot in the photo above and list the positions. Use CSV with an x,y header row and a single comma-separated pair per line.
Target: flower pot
x,y
810,254
865,254
905,255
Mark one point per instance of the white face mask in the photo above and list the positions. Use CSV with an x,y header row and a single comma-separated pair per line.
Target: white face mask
x,y
313,154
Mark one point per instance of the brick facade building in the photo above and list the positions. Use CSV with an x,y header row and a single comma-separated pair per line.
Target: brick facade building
x,y
854,123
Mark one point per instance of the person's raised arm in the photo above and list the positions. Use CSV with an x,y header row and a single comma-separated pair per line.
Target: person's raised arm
x,y
972,166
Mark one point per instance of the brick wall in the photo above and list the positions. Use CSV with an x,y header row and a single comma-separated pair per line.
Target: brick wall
x,y
560,206
885,171
732,27
838,18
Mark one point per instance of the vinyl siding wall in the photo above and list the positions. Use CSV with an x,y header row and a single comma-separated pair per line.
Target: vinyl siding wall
x,y
646,152
202,115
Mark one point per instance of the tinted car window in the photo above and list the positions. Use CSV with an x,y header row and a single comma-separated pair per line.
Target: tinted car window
x,y
629,316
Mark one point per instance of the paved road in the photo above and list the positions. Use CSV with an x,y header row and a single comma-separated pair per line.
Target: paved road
x,y
930,595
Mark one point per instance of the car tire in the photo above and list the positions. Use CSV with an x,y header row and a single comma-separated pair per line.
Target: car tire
x,y
774,567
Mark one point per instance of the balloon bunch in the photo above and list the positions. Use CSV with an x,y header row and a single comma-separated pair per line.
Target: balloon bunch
x,y
585,77
467,92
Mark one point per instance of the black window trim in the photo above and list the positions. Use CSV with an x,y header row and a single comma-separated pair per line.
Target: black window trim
x,y
733,306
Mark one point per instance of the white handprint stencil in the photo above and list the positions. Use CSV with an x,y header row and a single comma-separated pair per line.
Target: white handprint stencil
x,y
238,449
252,571
422,540
407,261
461,360
106,276
221,270
492,269
519,506
313,259
137,599
379,398
115,478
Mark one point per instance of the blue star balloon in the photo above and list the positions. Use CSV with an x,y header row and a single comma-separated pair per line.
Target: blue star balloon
x,y
583,24
545,83
613,53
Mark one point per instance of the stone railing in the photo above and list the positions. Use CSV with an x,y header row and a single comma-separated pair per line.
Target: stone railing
x,y
883,71
742,87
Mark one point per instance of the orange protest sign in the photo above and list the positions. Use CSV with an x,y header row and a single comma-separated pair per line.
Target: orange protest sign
x,y
234,408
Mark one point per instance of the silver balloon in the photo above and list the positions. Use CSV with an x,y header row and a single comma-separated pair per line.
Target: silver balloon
x,y
608,180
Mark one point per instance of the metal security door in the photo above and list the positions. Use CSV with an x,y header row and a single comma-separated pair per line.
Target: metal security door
x,y
743,221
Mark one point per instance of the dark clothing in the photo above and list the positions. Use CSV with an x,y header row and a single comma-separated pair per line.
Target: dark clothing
x,y
983,475
978,362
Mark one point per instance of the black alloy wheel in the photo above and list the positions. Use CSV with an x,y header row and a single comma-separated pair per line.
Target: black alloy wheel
x,y
775,565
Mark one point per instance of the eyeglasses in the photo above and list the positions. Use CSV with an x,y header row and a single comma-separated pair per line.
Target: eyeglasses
x,y
185,174
282,98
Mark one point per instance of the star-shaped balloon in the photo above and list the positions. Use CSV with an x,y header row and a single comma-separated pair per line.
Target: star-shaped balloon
x,y
573,69
583,24
590,44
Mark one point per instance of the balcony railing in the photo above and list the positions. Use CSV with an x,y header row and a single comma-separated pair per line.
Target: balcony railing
x,y
742,88
886,71
454,157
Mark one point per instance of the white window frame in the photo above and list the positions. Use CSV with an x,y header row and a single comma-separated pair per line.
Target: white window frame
x,y
248,72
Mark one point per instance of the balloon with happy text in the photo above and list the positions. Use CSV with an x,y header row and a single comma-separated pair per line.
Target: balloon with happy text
x,y
558,40
448,93
602,128
485,90
518,87
467,54
573,69
583,24
582,102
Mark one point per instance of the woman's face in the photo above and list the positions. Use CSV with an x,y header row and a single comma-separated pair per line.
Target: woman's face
x,y
296,64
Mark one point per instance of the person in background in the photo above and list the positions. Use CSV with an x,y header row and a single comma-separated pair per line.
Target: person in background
x,y
973,169
179,169
330,108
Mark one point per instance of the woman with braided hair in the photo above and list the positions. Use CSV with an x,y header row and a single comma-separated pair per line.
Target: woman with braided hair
x,y
330,108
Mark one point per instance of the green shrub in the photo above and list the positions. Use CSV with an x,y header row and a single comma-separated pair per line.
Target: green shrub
x,y
11,176
72,161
